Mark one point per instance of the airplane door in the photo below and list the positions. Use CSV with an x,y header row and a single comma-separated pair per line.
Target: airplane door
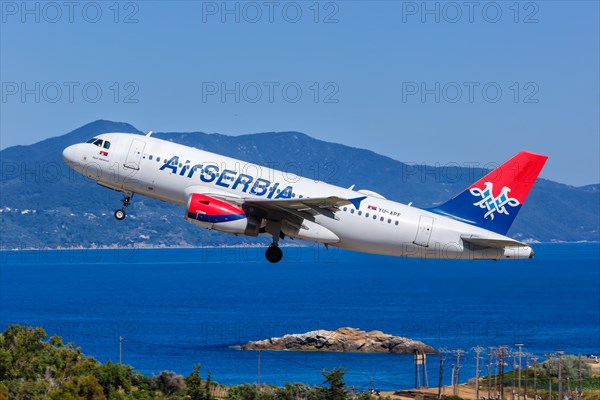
x,y
135,154
424,231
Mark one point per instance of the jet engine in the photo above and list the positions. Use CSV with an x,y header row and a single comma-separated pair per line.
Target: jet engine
x,y
221,215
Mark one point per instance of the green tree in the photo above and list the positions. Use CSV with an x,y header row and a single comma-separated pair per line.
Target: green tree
x,y
243,392
571,366
194,384
294,391
169,383
114,377
337,388
84,388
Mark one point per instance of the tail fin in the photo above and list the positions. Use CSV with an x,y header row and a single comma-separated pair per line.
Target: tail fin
x,y
494,201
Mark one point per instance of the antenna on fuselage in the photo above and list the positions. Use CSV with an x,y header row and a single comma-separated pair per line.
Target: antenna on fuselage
x,y
149,134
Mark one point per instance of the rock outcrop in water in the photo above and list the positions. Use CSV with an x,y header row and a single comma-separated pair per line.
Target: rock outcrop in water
x,y
344,340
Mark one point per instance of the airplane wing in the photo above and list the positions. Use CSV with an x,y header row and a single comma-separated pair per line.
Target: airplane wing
x,y
494,243
294,210
306,208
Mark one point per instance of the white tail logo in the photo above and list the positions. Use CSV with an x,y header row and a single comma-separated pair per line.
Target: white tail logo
x,y
493,204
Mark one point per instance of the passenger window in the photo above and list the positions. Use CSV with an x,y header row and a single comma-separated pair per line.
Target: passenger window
x,y
381,219
99,142
352,211
150,157
157,159
389,220
107,145
374,216
367,215
396,223
359,212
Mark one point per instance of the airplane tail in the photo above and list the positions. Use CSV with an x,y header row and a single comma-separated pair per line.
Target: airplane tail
x,y
494,201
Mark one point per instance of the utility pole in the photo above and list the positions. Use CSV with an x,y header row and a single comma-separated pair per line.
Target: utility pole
x,y
512,379
520,347
258,369
560,388
459,354
453,384
502,355
490,373
526,376
425,378
441,381
535,364
478,350
417,362
120,349
579,379
496,373
549,377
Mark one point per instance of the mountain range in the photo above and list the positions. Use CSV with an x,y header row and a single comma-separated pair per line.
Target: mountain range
x,y
44,203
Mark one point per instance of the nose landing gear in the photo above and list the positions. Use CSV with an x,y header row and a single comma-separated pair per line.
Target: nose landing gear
x,y
120,214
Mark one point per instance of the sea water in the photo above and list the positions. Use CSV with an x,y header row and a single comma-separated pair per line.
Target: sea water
x,y
168,309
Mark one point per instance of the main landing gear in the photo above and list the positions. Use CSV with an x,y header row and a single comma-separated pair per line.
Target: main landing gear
x,y
120,214
274,253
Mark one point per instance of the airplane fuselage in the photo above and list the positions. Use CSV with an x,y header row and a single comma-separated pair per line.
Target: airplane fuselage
x,y
172,172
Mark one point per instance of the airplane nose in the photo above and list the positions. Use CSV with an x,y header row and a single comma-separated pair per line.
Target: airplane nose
x,y
70,154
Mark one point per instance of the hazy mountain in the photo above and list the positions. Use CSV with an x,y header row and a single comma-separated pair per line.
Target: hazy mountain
x,y
44,203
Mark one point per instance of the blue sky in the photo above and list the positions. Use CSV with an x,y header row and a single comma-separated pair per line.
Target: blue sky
x,y
434,82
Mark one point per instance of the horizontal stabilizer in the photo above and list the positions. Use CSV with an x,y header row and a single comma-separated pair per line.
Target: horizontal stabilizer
x,y
493,243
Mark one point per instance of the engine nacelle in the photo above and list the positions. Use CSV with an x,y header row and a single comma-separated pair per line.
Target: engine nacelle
x,y
220,215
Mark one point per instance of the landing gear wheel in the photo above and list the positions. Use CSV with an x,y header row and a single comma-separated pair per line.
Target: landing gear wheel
x,y
120,214
274,254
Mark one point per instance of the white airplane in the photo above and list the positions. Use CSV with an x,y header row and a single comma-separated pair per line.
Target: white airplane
x,y
233,196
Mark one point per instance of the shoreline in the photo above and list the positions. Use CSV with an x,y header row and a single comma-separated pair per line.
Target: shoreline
x,y
228,246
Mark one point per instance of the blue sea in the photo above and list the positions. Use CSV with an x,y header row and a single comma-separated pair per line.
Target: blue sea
x,y
174,308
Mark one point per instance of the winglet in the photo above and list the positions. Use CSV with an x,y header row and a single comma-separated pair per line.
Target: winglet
x,y
356,201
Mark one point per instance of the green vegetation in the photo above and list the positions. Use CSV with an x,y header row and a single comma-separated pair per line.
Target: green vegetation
x,y
574,371
33,366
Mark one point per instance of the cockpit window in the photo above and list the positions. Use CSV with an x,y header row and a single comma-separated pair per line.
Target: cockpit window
x,y
107,145
92,140
99,142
